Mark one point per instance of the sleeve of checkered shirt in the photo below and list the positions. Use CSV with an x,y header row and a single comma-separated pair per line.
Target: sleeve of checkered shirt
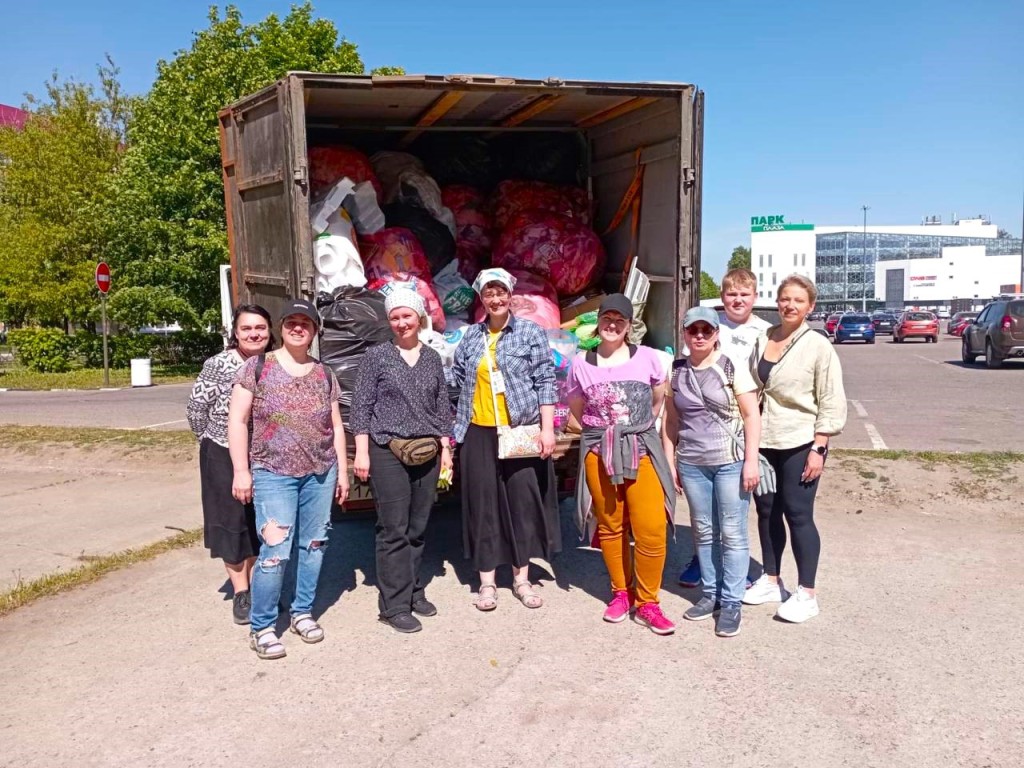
x,y
543,367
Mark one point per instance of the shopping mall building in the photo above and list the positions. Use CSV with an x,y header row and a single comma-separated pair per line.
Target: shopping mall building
x,y
930,265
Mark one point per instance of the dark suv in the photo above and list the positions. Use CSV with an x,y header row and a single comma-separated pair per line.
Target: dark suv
x,y
997,333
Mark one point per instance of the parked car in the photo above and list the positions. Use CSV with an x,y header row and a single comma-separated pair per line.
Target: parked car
x,y
854,327
943,314
884,323
997,333
916,324
831,322
957,323
817,315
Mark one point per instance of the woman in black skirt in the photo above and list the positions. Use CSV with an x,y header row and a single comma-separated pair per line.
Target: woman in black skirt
x,y
504,369
229,527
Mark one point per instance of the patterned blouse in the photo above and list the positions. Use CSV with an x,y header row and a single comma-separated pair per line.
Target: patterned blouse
x,y
207,408
292,431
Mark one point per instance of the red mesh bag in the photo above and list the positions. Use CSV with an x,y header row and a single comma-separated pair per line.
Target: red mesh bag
x,y
534,298
394,255
564,251
327,165
472,217
513,197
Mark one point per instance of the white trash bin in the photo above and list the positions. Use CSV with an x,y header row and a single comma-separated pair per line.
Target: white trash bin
x,y
142,372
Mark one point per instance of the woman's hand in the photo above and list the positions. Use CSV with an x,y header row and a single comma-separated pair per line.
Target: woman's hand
x,y
241,486
675,478
341,490
751,475
446,458
546,443
361,466
812,467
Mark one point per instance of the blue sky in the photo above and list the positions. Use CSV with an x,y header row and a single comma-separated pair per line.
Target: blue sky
x,y
813,108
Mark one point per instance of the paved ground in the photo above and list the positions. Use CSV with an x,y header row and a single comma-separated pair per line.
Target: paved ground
x,y
922,397
158,407
911,396
915,660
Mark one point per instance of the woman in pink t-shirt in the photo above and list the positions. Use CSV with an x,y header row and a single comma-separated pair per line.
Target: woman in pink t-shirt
x,y
615,392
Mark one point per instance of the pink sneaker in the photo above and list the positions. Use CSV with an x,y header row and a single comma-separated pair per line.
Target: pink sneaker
x,y
650,615
618,608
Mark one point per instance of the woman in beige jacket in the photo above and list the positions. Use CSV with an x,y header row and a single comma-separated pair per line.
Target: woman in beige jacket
x,y
803,405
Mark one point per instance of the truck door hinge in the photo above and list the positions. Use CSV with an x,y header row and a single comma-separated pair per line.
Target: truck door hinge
x,y
689,176
300,174
686,274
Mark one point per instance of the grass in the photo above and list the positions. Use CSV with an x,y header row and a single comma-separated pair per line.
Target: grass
x,y
25,592
170,443
982,464
14,376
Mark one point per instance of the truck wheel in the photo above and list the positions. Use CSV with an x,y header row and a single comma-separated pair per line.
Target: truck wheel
x,y
992,360
966,355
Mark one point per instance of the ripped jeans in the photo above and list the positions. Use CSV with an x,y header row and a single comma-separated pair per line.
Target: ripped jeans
x,y
291,513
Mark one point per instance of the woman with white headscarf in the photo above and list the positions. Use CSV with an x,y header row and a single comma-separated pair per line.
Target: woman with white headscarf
x,y
402,422
504,370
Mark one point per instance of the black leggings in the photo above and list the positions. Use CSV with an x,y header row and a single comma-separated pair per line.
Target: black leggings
x,y
794,501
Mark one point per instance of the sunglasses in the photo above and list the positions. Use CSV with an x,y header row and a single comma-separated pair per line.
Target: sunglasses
x,y
701,329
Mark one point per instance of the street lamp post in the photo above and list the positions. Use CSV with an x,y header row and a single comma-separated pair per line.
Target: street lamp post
x,y
863,266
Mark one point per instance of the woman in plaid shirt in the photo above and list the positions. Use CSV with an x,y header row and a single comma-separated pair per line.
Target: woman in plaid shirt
x,y
509,506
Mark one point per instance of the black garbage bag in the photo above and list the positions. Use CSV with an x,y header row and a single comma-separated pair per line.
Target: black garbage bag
x,y
353,321
435,237
460,159
554,158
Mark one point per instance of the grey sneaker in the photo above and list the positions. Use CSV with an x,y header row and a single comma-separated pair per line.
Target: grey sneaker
x,y
241,604
728,622
704,609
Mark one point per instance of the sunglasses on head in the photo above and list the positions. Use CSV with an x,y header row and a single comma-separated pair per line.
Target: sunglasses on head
x,y
702,329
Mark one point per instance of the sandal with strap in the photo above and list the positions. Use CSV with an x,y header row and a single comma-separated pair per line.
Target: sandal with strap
x,y
266,644
306,628
523,590
489,601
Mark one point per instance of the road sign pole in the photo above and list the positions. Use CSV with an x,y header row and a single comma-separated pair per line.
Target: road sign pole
x,y
106,361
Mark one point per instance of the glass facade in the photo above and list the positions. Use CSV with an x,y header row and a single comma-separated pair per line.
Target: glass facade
x,y
845,269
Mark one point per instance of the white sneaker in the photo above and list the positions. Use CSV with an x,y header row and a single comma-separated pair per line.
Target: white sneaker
x,y
764,591
800,607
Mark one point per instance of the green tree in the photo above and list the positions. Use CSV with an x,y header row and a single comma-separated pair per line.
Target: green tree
x,y
708,287
53,181
166,228
740,258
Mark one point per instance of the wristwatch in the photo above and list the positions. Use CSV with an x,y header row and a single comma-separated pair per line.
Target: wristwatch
x,y
821,450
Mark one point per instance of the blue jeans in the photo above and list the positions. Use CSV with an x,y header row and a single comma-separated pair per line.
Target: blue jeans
x,y
718,513
282,504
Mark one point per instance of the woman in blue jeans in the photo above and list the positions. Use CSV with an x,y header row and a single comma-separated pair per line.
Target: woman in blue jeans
x,y
712,425
295,468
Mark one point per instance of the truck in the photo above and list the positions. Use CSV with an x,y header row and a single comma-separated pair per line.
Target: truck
x,y
629,132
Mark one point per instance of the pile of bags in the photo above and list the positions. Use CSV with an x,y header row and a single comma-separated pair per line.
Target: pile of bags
x,y
431,221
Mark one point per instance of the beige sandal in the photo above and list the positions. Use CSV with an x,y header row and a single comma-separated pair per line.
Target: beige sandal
x,y
527,596
486,602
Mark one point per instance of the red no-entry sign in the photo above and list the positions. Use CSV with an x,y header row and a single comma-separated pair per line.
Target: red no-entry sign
x,y
103,277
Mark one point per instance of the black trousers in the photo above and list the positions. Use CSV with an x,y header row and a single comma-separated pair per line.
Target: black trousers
x,y
404,496
792,504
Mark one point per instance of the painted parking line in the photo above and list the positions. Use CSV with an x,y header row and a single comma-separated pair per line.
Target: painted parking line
x,y
877,443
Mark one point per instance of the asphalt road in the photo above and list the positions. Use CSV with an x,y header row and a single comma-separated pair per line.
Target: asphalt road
x,y
913,396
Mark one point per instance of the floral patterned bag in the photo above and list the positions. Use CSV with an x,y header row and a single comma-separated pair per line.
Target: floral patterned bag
x,y
513,442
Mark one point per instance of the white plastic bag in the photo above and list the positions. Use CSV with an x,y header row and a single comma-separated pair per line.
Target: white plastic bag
x,y
452,289
336,255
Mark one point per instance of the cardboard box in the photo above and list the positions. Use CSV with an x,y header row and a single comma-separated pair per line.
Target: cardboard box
x,y
574,311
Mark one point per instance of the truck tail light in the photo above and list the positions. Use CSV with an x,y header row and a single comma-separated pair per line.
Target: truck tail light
x,y
1007,323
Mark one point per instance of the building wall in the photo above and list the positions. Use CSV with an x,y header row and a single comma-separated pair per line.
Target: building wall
x,y
776,255
962,272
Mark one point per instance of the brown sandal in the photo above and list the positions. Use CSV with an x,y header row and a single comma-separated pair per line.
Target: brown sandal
x,y
527,596
486,602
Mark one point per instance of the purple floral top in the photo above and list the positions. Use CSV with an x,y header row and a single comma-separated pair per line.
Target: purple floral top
x,y
620,394
292,432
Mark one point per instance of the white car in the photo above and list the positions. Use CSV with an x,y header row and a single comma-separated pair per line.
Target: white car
x,y
943,314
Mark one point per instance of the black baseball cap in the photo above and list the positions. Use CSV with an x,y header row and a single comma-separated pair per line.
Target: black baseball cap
x,y
617,302
301,307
